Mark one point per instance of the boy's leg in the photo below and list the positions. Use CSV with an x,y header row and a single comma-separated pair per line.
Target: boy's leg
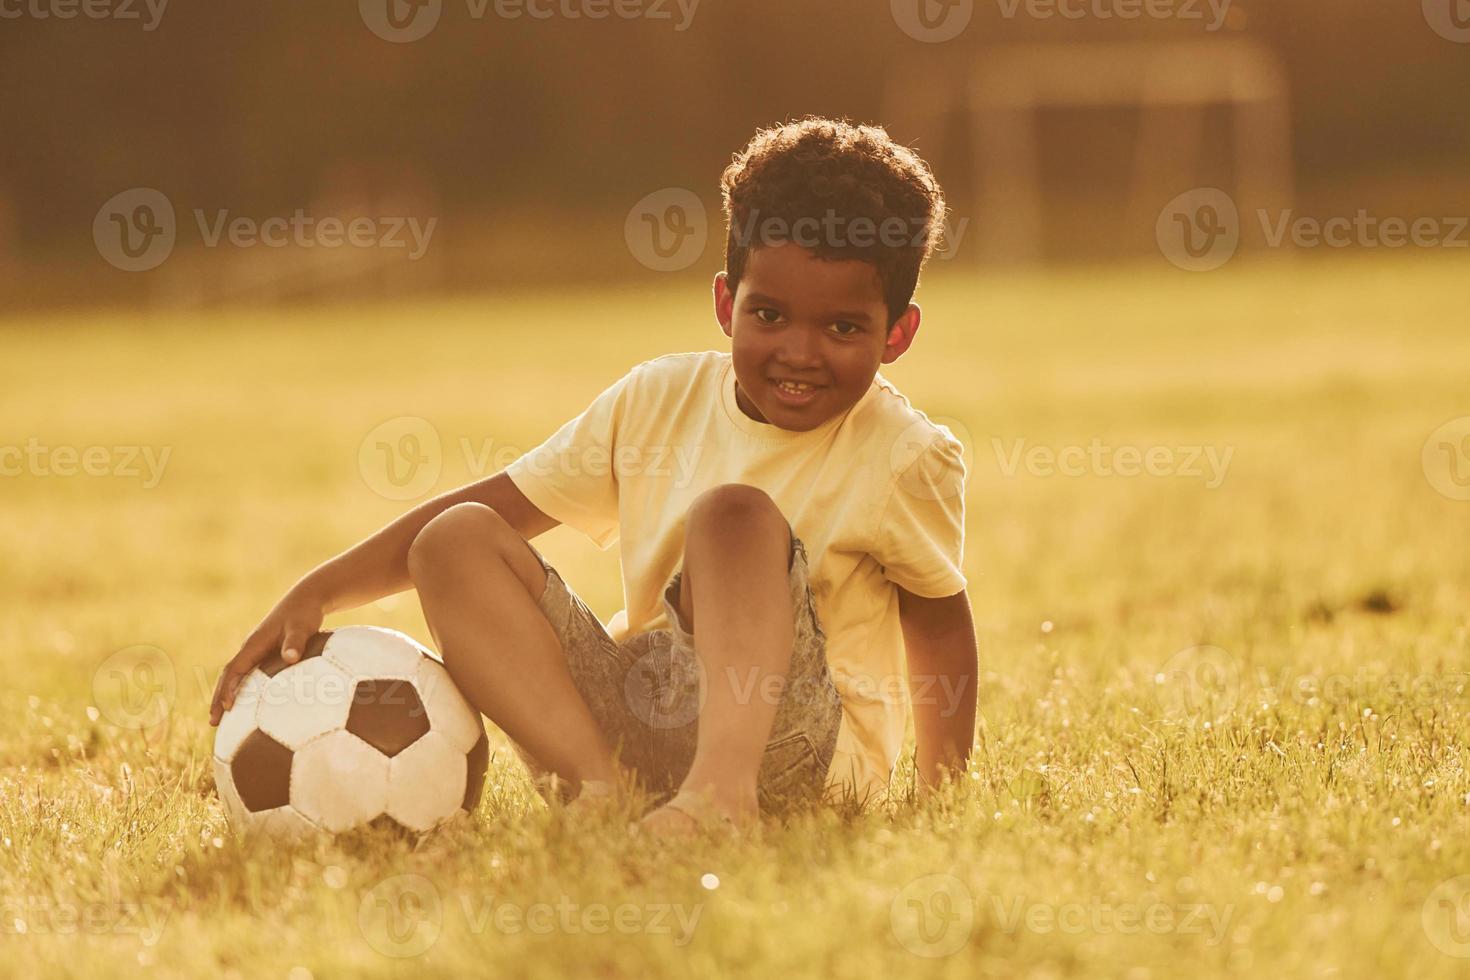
x,y
737,553
479,584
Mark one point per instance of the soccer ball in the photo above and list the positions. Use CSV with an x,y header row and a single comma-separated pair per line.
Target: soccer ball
x,y
367,728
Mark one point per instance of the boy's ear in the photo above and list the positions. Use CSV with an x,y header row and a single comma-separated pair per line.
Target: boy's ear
x,y
724,302
901,334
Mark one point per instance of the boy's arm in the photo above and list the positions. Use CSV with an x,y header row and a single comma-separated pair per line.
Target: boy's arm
x,y
370,570
378,566
939,639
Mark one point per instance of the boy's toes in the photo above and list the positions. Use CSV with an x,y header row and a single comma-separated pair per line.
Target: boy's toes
x,y
689,813
669,822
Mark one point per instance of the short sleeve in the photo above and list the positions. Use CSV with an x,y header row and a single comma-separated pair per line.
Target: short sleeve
x,y
921,534
570,476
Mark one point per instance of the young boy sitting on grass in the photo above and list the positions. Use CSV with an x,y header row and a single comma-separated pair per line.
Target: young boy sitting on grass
x,y
815,528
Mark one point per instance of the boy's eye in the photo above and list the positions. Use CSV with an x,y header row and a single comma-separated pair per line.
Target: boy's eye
x,y
761,314
847,329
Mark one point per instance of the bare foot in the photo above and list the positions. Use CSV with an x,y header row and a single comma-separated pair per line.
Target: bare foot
x,y
596,799
669,822
690,812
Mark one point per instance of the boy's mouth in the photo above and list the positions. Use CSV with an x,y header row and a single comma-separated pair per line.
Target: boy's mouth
x,y
795,394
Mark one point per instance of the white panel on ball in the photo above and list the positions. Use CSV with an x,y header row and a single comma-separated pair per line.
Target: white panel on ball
x,y
340,782
370,652
426,783
239,721
304,701
225,785
284,823
449,713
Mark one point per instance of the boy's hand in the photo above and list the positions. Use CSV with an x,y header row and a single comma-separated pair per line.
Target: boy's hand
x,y
287,627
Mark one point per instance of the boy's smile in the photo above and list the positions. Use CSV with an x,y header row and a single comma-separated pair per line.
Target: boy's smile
x,y
807,334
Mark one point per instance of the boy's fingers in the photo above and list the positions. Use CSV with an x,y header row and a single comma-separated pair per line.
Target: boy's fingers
x,y
224,695
229,680
217,705
294,643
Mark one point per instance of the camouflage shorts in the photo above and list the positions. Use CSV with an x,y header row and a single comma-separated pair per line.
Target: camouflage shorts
x,y
645,692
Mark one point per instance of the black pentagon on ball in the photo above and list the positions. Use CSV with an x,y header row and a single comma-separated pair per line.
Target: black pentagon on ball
x,y
274,664
385,824
388,715
262,772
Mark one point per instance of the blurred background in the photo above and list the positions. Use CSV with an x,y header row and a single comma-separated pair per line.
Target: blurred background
x,y
272,273
531,133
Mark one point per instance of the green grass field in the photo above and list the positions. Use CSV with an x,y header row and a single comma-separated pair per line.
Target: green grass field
x,y
1223,722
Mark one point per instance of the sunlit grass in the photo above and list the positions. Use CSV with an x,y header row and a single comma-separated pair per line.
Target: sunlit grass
x,y
1223,729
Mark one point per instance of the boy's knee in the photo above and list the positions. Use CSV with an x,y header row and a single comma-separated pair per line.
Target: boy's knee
x,y
737,507
448,533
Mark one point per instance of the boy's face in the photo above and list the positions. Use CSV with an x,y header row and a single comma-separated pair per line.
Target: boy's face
x,y
799,318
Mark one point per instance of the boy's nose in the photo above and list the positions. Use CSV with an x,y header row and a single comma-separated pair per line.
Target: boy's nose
x,y
800,351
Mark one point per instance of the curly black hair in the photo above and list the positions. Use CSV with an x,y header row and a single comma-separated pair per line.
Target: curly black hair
x,y
845,191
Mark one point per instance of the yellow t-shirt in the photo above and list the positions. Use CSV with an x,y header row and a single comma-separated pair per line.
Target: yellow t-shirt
x,y
876,496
